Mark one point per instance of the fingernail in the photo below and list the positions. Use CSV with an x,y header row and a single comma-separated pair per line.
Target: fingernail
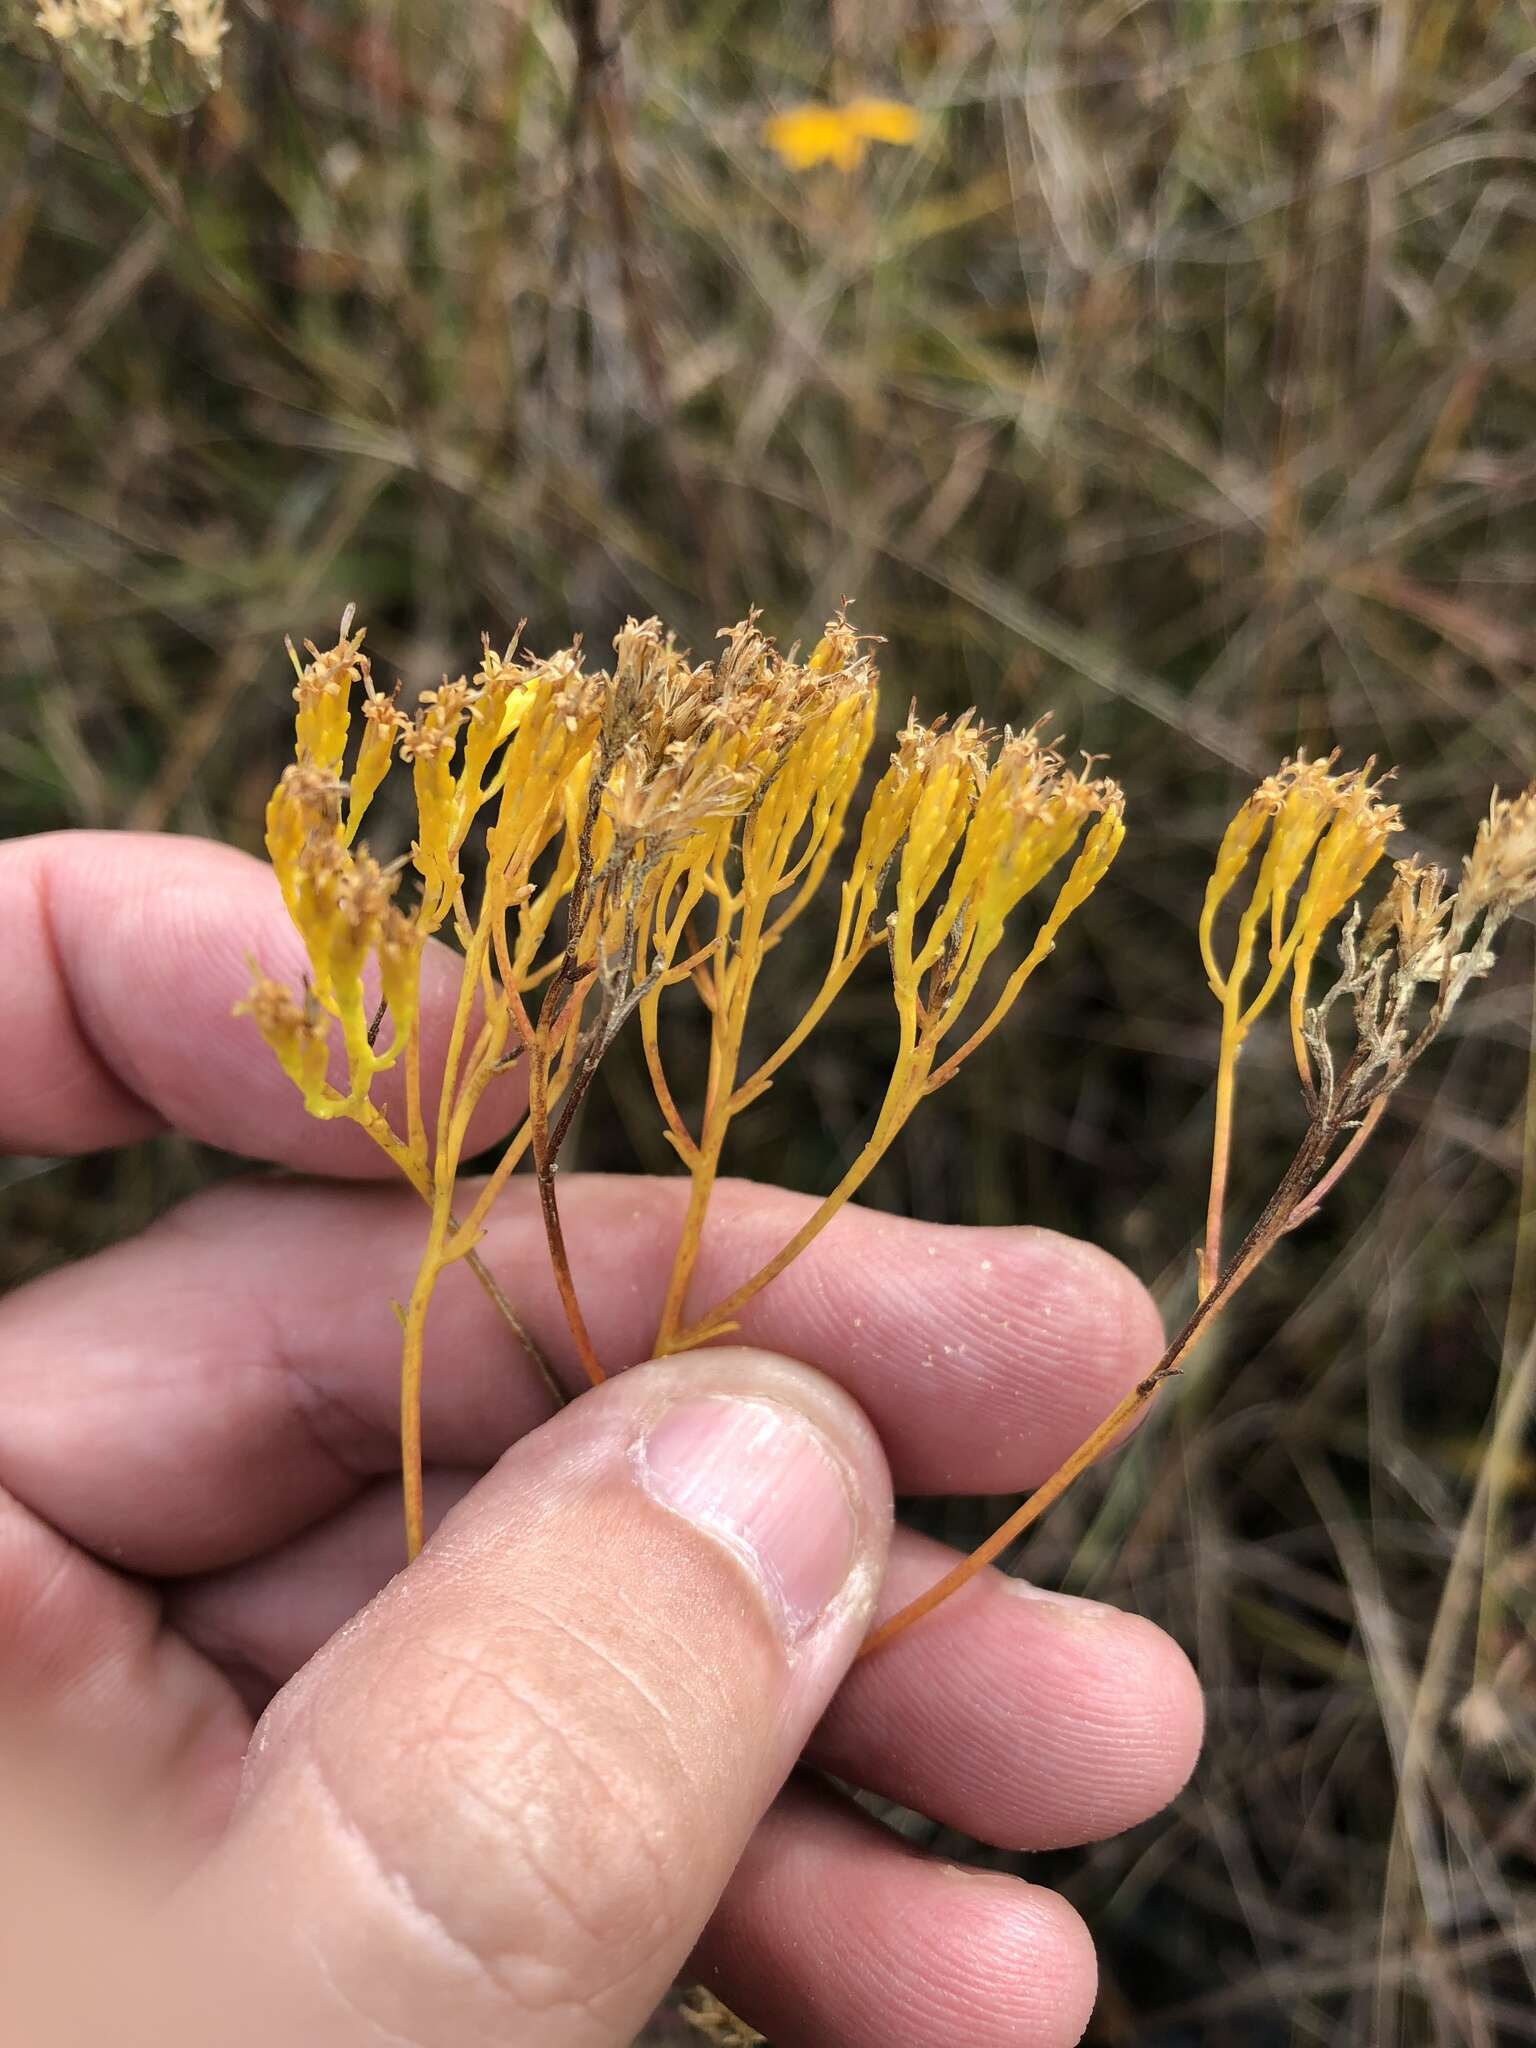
x,y
760,1480
1073,1608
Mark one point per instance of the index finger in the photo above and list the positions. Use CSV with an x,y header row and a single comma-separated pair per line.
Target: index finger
x,y
128,953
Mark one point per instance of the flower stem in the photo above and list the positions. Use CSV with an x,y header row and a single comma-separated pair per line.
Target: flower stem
x,y
734,977
544,1172
1310,1203
1299,1177
410,1377
962,1573
378,1129
905,1092
1221,1157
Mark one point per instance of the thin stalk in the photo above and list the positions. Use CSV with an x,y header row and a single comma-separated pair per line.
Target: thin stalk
x,y
1519,1321
668,937
510,1316
733,992
469,982
560,1260
411,1374
724,1097
1044,943
962,1573
544,1169
905,1092
1300,981
846,956
378,1129
1311,1203
836,981
1236,1021
1271,1225
466,1232
1221,1154
415,1122
704,1172
677,1130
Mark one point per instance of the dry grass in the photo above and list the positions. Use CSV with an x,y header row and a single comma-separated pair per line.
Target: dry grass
x,y
1180,381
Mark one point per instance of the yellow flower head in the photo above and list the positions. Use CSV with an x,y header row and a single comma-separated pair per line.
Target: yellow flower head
x,y
816,134
1326,830
952,774
1030,813
323,694
305,805
429,747
1355,840
298,1035
1328,825
1029,817
383,723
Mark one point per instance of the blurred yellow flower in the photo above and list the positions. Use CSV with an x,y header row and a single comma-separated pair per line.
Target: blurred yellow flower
x,y
815,134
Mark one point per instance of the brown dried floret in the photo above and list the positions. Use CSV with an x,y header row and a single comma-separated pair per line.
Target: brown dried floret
x,y
1499,874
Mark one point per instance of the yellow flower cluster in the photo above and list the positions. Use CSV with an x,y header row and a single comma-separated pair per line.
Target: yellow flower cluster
x,y
1311,820
1322,832
1305,841
650,828
340,900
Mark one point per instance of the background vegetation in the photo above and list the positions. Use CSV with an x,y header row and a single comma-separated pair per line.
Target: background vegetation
x,y
1180,380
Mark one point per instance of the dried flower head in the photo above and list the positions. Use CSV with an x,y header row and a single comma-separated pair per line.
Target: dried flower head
x,y
1406,971
716,2023
1411,919
123,44
1500,872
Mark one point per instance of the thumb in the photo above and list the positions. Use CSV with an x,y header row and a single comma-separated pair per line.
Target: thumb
x,y
501,1805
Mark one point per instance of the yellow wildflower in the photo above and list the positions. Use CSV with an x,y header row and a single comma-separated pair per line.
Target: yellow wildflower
x,y
323,694
299,1036
383,724
815,133
1328,826
306,804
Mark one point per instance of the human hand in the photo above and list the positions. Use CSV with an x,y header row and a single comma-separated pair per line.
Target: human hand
x,y
542,1770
